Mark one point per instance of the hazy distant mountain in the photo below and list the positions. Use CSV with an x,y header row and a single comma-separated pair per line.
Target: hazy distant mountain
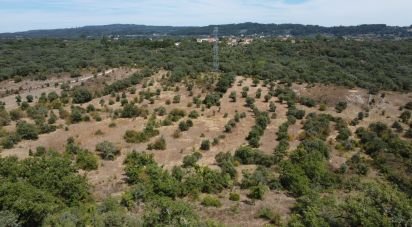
x,y
227,29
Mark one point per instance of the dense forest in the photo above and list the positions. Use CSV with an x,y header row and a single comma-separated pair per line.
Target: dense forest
x,y
298,30
369,64
378,30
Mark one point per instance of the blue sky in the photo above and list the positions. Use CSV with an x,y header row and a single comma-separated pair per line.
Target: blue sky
x,y
20,15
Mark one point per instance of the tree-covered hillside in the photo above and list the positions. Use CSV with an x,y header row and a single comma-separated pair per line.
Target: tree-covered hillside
x,y
369,64
380,30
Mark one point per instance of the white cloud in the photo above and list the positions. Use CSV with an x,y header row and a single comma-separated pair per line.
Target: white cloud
x,y
352,12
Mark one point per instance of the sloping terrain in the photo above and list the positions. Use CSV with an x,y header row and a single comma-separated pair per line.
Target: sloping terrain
x,y
286,145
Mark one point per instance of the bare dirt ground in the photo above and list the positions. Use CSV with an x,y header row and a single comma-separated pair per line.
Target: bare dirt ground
x,y
358,101
37,87
109,179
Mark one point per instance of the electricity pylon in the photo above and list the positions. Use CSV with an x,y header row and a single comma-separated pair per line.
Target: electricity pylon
x,y
216,50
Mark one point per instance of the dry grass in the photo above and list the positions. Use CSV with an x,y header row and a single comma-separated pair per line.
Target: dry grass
x,y
109,178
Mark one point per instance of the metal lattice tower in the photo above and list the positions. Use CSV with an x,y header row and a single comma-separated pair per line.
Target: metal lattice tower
x,y
216,49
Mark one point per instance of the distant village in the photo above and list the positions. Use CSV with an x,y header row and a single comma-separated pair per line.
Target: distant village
x,y
235,40
239,40
232,41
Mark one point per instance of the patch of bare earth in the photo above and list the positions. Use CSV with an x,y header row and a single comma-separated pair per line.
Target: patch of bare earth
x,y
37,87
109,179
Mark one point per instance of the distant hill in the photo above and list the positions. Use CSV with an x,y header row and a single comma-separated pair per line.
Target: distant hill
x,y
97,31
299,30
379,30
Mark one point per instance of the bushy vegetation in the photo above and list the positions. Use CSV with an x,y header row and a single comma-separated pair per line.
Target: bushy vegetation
x,y
247,155
306,101
86,160
317,126
364,207
226,162
130,111
225,82
82,95
150,181
272,107
37,187
269,215
107,150
77,115
257,192
391,155
307,176
233,96
46,189
341,106
261,122
27,131
285,94
159,144
4,116
405,116
211,201
261,176
234,196
231,124
185,125
307,168
294,112
148,132
193,114
174,116
190,160
205,145
212,99
283,145
123,84
280,60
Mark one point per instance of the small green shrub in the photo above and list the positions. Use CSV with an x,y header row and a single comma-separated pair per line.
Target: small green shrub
x,y
159,144
234,196
176,99
341,106
76,116
211,201
27,131
269,215
82,95
10,140
205,145
107,150
322,107
193,114
190,160
232,96
257,192
86,160
16,114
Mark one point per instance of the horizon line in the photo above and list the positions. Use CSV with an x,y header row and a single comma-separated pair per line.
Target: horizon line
x,y
198,26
